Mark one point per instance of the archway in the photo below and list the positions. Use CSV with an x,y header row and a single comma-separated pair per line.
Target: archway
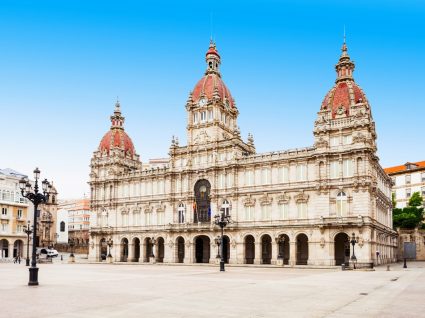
x,y
4,248
160,250
18,248
342,249
136,249
249,249
202,249
302,249
124,250
226,248
284,249
103,249
266,249
148,249
202,209
180,249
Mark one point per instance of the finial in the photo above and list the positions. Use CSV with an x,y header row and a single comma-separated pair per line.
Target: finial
x,y
344,33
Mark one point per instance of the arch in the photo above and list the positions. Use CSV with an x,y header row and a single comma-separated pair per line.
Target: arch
x,y
148,249
202,249
103,249
284,249
124,250
160,250
266,249
202,206
342,248
136,249
180,249
4,248
62,226
302,249
18,248
249,249
226,248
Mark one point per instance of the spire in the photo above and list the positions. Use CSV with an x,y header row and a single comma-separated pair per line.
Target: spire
x,y
213,59
345,67
117,119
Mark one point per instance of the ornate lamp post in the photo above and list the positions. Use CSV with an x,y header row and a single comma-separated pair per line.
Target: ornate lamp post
x,y
353,256
28,232
280,240
153,242
110,242
222,220
217,241
36,198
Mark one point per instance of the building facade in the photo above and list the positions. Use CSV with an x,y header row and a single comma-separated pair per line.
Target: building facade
x,y
407,179
16,212
301,204
47,221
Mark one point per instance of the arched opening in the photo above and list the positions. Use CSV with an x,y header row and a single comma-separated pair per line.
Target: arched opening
x,y
226,207
136,249
266,249
18,248
62,226
202,249
4,248
160,250
226,248
180,249
148,249
249,249
302,249
342,249
341,204
103,250
202,208
124,250
284,248
181,213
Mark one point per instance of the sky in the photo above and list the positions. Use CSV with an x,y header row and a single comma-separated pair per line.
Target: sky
x,y
63,64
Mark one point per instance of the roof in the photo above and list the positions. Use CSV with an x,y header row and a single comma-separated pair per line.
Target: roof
x,y
12,173
404,168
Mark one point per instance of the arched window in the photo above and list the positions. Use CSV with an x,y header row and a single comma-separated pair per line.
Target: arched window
x,y
226,207
181,211
62,226
341,204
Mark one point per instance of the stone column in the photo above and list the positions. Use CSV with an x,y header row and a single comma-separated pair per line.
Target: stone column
x,y
169,252
188,253
11,250
234,253
258,259
130,257
142,251
275,251
292,253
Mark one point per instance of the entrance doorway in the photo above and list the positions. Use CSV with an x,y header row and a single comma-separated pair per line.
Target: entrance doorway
x,y
302,249
103,251
249,249
160,250
4,248
202,249
342,249
136,246
226,249
180,249
124,250
284,249
266,249
148,249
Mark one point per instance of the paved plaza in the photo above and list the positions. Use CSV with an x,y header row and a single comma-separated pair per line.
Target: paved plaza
x,y
114,290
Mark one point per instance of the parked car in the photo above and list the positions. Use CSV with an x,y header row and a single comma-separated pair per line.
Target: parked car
x,y
46,252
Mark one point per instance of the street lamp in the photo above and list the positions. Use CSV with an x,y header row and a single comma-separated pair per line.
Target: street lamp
x,y
353,256
217,241
153,242
36,198
280,240
110,242
222,220
28,232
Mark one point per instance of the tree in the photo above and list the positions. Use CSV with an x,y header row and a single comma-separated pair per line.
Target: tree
x,y
393,200
416,199
407,218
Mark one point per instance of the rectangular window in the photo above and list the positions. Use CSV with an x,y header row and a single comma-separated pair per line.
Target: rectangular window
x,y
148,218
283,174
249,178
347,139
347,168
265,212
19,214
229,180
334,167
334,141
20,228
3,211
423,177
302,210
408,193
265,176
301,172
283,211
249,213
160,218
210,115
195,118
221,181
4,227
341,208
408,178
203,116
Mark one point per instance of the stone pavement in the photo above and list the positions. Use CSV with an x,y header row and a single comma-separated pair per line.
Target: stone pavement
x,y
107,290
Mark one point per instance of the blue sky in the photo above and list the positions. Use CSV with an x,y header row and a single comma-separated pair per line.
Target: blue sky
x,y
62,64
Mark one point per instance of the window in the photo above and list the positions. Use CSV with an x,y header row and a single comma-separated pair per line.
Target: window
x,y
4,227
283,211
302,210
408,178
334,141
265,176
19,214
347,168
301,172
19,228
334,167
210,115
408,193
148,217
423,191
181,212
195,118
203,116
249,213
283,174
249,177
346,140
160,218
62,226
3,211
229,180
226,207
265,212
423,177
221,180
341,204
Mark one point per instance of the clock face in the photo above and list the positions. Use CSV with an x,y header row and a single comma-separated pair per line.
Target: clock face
x,y
202,102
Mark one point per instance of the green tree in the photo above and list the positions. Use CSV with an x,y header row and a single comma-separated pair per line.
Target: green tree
x,y
415,199
407,218
393,200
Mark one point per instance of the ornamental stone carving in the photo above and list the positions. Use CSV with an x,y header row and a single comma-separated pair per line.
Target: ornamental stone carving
x,y
301,197
283,198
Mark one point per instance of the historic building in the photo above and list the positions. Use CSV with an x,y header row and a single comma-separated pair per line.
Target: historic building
x,y
312,198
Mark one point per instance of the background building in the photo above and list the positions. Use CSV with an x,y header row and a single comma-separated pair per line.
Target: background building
x,y
16,212
407,179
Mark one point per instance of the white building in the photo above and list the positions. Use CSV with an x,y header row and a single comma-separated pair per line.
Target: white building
x,y
312,199
62,226
407,179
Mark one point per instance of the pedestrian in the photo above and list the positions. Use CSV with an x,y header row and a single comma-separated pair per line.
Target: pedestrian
x,y
19,258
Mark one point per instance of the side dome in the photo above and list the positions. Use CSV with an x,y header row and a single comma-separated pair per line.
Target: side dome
x,y
345,93
211,85
116,137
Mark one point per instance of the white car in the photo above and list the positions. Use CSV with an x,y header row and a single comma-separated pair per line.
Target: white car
x,y
47,252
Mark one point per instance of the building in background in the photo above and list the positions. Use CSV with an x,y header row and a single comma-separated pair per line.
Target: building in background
x,y
47,220
407,179
302,204
61,227
16,212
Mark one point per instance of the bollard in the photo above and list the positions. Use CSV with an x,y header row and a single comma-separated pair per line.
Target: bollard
x,y
405,265
343,266
61,257
388,268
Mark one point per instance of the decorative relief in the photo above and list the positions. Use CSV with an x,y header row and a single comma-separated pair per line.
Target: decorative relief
x,y
301,197
359,138
265,199
249,201
148,208
321,143
283,198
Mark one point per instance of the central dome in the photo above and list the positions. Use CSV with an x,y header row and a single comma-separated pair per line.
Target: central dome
x,y
212,83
